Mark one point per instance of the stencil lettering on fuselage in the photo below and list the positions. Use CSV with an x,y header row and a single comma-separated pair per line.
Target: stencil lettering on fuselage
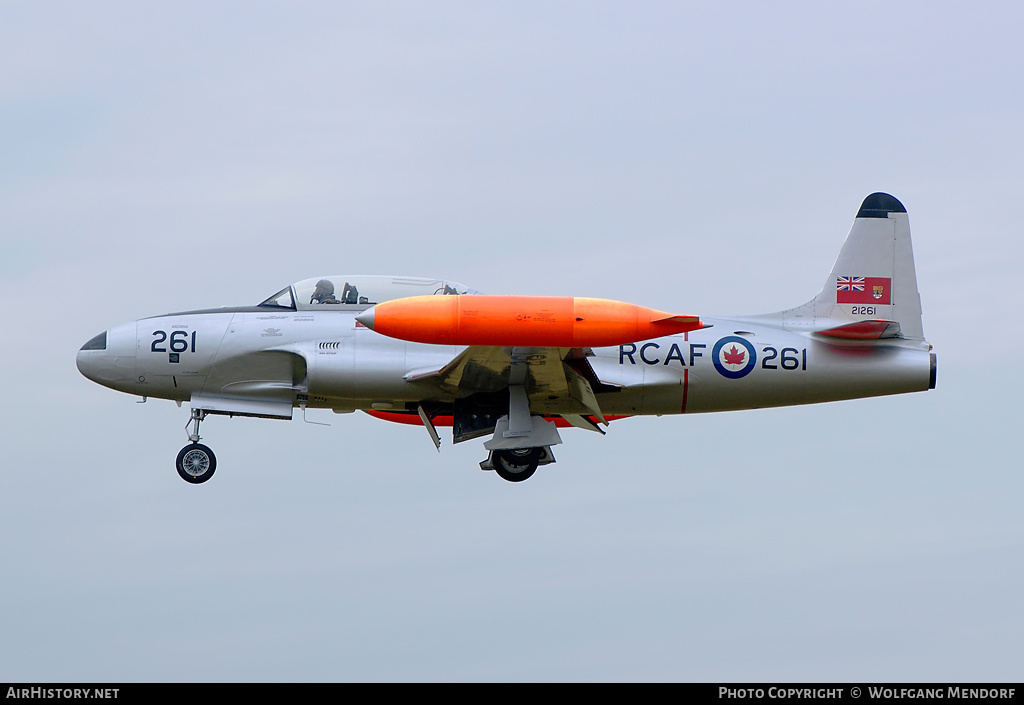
x,y
733,357
656,354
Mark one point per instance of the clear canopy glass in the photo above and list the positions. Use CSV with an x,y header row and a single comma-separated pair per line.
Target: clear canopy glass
x,y
357,292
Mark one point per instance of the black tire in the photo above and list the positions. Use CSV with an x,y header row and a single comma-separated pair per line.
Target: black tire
x,y
196,463
518,464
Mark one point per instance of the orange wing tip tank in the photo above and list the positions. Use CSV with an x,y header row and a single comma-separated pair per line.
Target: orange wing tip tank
x,y
522,321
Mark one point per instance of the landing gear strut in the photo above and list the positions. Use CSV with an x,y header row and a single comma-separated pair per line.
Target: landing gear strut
x,y
196,463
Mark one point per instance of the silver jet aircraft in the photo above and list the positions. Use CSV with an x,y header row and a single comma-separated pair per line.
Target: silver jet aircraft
x,y
435,353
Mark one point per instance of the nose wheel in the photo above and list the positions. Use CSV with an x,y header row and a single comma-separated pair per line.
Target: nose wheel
x,y
196,463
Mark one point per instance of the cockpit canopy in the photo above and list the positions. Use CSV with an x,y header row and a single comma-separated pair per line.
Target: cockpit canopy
x,y
357,293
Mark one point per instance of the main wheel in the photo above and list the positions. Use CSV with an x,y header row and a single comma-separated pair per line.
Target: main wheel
x,y
196,463
518,464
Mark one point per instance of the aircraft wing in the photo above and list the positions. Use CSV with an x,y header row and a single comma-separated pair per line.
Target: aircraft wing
x,y
557,380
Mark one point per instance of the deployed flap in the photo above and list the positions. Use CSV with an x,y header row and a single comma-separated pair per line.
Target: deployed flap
x,y
584,422
581,391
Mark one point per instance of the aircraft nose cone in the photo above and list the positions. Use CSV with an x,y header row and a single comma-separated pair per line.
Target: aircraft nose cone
x,y
91,356
366,318
109,358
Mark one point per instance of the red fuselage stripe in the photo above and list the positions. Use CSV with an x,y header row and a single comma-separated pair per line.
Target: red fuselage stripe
x,y
686,379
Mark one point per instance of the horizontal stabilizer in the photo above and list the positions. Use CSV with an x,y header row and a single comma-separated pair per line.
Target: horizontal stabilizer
x,y
864,330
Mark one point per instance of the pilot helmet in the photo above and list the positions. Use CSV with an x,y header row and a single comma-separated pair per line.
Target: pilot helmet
x,y
324,290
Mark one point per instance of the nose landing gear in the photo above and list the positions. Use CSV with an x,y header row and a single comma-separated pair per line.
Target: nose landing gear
x,y
196,463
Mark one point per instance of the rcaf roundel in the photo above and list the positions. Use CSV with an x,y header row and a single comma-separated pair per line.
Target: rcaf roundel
x,y
734,357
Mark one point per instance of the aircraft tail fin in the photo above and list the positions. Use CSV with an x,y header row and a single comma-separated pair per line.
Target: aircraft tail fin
x,y
873,279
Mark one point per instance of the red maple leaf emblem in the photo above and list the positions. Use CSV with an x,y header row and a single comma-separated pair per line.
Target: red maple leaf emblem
x,y
734,356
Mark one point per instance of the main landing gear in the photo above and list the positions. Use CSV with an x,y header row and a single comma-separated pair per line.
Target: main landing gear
x,y
196,463
522,441
517,464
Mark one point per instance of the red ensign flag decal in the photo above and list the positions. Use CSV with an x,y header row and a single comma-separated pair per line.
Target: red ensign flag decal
x,y
863,290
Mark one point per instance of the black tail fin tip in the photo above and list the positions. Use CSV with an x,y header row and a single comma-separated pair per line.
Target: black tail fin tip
x,y
880,205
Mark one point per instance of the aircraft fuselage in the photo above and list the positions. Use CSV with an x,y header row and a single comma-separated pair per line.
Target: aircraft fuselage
x,y
328,360
434,352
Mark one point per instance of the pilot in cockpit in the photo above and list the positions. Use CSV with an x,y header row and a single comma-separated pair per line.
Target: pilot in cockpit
x,y
324,293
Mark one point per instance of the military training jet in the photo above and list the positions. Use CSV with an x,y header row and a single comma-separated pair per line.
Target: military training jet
x,y
435,353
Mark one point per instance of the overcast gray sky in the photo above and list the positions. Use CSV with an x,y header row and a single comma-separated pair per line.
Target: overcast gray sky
x,y
693,157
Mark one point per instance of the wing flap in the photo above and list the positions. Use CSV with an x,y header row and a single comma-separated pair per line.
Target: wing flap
x,y
580,390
